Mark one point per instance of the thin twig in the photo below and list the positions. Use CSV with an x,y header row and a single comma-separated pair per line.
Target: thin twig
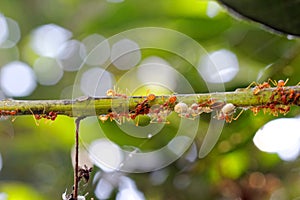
x,y
76,179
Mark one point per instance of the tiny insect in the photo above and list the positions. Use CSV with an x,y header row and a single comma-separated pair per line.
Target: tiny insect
x,y
291,93
151,97
84,173
280,83
172,99
258,87
115,93
227,112
296,98
181,108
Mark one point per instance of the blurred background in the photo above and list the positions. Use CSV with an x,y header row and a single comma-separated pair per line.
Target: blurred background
x,y
63,49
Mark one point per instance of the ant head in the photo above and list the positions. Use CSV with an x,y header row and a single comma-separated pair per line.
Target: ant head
x,y
172,99
110,92
151,97
280,83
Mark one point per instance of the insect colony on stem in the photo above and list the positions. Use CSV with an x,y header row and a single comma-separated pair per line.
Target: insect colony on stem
x,y
279,102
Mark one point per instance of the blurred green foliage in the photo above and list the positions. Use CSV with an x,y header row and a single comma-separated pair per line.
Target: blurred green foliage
x,y
36,159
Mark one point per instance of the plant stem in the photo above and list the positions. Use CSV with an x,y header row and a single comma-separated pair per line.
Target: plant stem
x,y
76,179
93,106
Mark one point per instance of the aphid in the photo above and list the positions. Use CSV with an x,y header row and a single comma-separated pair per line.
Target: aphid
x,y
195,110
181,108
159,114
37,116
52,115
8,112
188,112
227,112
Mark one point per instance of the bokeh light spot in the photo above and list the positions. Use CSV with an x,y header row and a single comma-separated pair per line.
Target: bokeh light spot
x,y
47,39
17,79
47,70
3,28
280,136
103,189
157,70
69,55
96,50
219,67
105,154
125,54
213,9
14,34
96,81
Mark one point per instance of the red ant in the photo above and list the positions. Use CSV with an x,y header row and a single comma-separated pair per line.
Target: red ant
x,y
114,93
258,87
291,93
159,113
279,90
113,116
296,98
171,101
143,107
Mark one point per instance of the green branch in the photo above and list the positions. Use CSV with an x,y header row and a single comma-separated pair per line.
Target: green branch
x,y
95,106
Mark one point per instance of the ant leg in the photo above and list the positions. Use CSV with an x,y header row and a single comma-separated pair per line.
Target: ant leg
x,y
274,82
137,121
235,118
33,115
286,81
251,84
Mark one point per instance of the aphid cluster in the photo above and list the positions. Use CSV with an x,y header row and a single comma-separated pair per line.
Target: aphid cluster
x,y
280,100
51,116
159,113
224,111
191,112
5,113
142,108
